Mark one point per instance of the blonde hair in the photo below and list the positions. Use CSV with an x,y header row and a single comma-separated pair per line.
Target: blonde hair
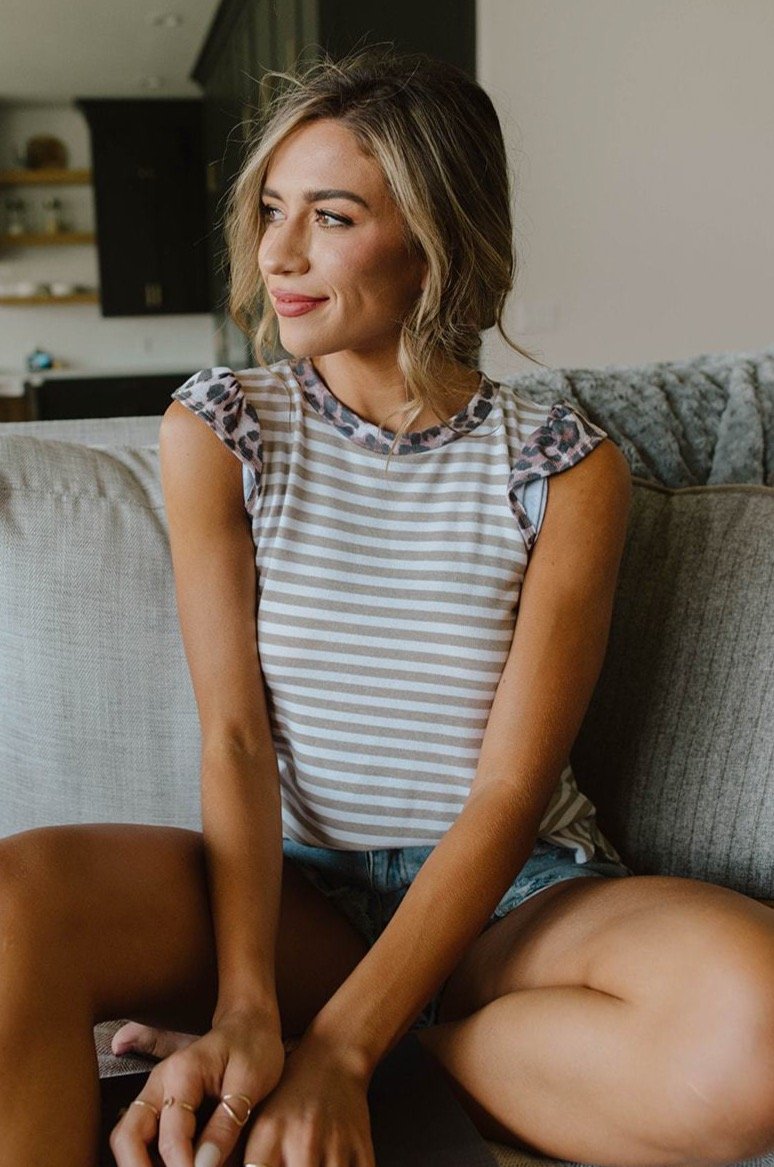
x,y
437,139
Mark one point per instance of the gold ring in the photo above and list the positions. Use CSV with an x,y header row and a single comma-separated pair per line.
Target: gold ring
x,y
179,1101
142,1102
243,1098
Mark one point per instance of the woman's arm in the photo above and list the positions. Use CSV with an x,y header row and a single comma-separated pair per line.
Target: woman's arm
x,y
556,656
213,558
241,1057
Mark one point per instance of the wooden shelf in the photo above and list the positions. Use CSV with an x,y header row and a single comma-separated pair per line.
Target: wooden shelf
x,y
43,177
47,176
76,298
44,239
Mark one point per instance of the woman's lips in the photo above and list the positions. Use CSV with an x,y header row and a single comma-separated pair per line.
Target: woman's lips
x,y
296,307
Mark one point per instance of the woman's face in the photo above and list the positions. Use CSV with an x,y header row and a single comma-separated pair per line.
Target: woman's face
x,y
347,250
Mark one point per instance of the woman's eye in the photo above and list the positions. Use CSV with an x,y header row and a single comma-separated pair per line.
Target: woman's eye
x,y
337,219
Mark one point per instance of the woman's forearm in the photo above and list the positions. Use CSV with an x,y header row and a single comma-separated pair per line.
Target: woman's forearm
x,y
447,905
242,828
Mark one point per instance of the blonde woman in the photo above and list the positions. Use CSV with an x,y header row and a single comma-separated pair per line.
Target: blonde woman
x,y
395,580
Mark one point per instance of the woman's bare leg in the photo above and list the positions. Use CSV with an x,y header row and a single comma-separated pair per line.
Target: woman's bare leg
x,y
106,921
619,1021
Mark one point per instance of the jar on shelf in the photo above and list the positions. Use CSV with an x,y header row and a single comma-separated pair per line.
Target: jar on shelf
x,y
15,216
52,216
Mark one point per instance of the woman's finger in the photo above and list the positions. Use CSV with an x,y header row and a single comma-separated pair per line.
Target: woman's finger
x,y
147,1039
178,1125
222,1132
264,1145
164,1111
137,1128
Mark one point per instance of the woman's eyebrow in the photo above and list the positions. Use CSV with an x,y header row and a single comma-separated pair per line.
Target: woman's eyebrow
x,y
313,196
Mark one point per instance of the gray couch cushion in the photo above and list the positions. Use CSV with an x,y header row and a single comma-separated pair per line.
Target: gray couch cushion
x,y
677,747
98,720
91,431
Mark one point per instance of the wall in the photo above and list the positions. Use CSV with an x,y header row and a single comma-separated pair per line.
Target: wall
x,y
78,334
641,136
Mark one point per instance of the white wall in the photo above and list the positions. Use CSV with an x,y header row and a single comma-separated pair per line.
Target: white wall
x,y
641,137
77,334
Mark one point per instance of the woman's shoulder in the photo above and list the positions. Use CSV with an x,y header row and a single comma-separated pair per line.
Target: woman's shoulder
x,y
549,436
228,401
233,402
210,385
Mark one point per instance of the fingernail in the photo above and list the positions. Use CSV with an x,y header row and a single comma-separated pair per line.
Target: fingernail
x,y
208,1155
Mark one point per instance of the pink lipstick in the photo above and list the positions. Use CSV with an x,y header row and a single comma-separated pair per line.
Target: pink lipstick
x,y
291,304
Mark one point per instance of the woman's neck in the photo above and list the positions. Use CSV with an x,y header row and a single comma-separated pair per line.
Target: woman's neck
x,y
376,391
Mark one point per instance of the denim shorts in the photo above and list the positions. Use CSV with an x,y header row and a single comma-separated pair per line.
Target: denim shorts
x,y
368,886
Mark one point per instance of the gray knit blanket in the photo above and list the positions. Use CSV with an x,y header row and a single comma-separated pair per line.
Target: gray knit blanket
x,y
701,421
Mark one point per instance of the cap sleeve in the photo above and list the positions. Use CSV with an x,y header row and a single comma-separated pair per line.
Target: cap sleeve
x,y
218,398
565,437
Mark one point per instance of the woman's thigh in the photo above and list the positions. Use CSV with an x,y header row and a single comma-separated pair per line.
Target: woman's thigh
x,y
125,910
642,938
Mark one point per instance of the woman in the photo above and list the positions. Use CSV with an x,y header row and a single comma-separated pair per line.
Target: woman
x,y
392,835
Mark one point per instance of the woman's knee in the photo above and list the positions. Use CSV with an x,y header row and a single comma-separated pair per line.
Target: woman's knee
x,y
724,1114
38,965
723,1062
34,884
697,960
120,909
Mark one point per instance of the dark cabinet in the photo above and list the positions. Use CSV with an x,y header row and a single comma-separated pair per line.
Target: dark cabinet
x,y
149,188
118,395
249,37
445,29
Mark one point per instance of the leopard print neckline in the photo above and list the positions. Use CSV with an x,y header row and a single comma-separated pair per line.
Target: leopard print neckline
x,y
378,439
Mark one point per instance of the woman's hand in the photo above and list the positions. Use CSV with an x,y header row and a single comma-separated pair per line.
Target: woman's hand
x,y
242,1054
318,1114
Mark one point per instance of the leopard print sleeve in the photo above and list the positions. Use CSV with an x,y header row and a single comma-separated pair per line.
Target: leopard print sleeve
x,y
565,437
218,398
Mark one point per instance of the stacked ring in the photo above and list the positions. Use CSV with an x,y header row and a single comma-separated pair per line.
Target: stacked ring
x,y
230,1110
142,1102
179,1101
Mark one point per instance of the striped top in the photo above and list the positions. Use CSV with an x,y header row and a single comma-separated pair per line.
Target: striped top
x,y
387,594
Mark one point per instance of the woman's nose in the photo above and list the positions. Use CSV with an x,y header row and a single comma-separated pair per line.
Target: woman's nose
x,y
284,249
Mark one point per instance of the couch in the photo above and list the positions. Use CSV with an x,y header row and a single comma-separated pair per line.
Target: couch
x,y
98,720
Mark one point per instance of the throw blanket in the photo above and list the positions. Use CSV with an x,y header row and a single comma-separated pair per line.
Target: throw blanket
x,y
697,422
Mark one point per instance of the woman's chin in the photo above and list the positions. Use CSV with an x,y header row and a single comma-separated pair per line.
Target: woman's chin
x,y
298,349
297,345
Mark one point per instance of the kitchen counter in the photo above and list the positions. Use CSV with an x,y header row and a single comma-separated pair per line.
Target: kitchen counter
x,y
12,381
